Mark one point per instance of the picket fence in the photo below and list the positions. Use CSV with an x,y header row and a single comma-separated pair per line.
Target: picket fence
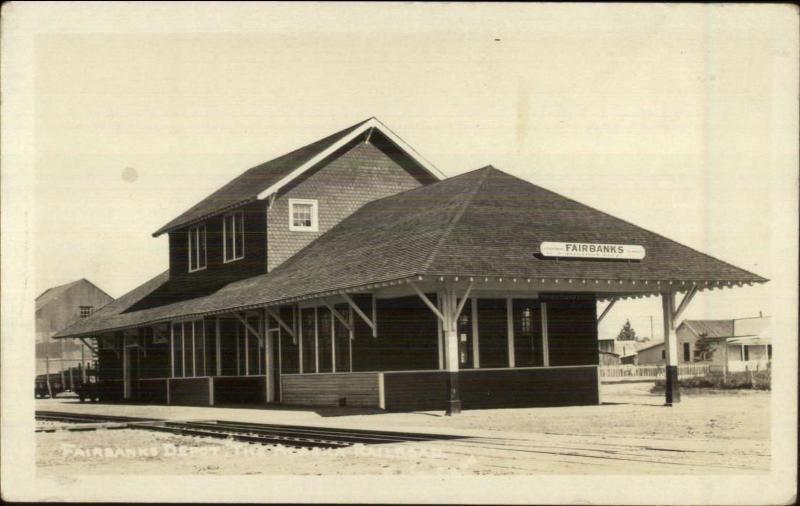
x,y
631,372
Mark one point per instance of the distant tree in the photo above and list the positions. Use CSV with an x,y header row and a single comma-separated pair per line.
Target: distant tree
x,y
627,333
703,349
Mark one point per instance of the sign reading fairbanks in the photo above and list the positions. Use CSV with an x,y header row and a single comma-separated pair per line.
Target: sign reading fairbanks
x,y
590,250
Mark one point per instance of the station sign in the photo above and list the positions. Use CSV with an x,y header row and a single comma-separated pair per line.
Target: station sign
x,y
592,250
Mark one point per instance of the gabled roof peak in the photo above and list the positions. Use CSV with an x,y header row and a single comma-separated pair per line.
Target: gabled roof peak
x,y
261,181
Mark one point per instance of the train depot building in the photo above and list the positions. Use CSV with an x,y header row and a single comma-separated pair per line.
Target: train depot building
x,y
351,272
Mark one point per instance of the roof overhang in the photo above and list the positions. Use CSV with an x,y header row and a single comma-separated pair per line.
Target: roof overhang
x,y
485,286
750,340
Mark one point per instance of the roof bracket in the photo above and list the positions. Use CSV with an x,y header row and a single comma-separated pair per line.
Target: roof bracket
x,y
92,348
338,316
250,327
428,302
684,303
282,324
461,305
361,314
606,310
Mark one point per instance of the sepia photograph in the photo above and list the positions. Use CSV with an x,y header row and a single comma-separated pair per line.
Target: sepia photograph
x,y
455,253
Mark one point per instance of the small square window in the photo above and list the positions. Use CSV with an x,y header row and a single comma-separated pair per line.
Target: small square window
x,y
303,215
85,311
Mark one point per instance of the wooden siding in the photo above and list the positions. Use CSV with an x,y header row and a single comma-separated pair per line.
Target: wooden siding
x,y
406,339
189,391
419,390
528,388
572,328
357,174
151,390
357,389
240,390
184,285
494,388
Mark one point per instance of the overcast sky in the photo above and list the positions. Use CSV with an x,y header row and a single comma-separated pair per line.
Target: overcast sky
x,y
666,117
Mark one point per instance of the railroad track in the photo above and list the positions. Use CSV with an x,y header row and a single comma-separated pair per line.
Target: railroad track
x,y
57,416
267,434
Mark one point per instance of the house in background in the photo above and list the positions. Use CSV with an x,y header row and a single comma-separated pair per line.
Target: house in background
x,y
738,344
56,309
742,343
617,352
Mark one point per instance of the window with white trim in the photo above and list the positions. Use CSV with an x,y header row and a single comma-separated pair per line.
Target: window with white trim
x,y
85,311
233,234
303,215
188,349
198,255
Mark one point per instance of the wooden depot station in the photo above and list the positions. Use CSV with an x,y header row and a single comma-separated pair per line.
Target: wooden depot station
x,y
350,272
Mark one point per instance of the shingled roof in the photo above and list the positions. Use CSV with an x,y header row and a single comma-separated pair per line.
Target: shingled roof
x,y
268,176
251,182
710,328
482,223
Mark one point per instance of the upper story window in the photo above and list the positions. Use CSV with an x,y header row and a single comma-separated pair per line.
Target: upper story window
x,y
233,232
303,215
197,248
85,311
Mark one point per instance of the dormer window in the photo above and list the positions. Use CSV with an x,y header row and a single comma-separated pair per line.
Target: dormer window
x,y
303,215
233,232
85,311
197,248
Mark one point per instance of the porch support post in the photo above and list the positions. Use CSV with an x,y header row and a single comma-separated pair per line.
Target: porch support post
x,y
171,351
451,346
218,344
126,383
269,357
476,347
672,393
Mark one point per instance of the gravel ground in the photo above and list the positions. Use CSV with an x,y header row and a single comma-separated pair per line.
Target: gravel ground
x,y
631,432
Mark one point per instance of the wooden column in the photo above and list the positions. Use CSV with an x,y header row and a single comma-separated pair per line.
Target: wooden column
x,y
672,393
269,356
451,356
510,332
126,383
476,347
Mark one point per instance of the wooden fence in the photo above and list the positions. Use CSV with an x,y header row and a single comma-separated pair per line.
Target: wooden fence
x,y
612,373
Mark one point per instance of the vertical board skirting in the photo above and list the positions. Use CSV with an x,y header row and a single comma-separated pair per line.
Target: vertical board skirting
x,y
210,391
169,401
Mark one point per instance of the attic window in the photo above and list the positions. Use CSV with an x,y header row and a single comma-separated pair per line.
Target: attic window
x,y
303,215
197,248
233,231
85,311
